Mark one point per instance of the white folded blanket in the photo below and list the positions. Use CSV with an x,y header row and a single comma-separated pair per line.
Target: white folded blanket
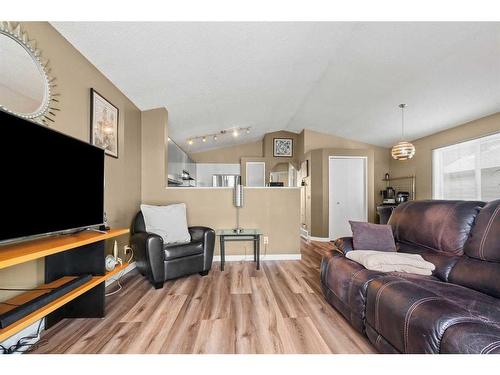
x,y
388,261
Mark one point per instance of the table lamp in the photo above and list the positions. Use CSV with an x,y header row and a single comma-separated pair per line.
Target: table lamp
x,y
238,201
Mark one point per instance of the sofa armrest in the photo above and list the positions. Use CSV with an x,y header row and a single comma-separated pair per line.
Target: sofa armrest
x,y
343,245
149,255
325,264
471,338
207,236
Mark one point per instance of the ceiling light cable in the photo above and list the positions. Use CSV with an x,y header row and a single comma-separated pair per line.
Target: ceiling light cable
x,y
402,106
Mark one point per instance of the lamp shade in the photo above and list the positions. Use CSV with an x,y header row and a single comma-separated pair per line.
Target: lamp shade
x,y
403,151
238,193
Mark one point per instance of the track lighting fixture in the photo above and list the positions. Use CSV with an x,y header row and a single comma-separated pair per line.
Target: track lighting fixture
x,y
236,132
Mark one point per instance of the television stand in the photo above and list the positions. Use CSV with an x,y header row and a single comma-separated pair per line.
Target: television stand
x,y
97,230
71,255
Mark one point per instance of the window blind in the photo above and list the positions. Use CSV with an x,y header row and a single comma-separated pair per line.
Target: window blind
x,y
468,170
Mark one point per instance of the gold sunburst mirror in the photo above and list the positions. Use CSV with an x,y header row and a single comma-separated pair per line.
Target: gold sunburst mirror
x,y
26,87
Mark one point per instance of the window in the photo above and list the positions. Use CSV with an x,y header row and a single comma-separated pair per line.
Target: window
x,y
468,170
256,173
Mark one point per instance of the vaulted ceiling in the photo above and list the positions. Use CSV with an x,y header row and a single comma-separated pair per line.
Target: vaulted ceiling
x,y
341,78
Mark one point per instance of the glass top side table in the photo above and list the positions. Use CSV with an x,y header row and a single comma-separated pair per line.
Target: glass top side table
x,y
232,232
228,235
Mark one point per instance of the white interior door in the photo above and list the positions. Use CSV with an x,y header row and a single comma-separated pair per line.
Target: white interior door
x,y
256,173
347,193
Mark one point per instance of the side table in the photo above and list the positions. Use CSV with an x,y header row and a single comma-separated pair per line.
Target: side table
x,y
227,235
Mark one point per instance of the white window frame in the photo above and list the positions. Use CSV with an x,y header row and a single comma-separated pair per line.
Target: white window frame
x,y
436,166
260,163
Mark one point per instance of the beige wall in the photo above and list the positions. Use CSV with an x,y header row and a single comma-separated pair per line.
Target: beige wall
x,y
318,147
254,151
316,204
315,147
230,155
75,76
381,158
262,148
314,201
270,162
314,140
268,145
154,143
276,212
299,147
421,164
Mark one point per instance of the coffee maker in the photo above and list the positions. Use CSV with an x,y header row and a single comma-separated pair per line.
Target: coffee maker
x,y
402,196
389,195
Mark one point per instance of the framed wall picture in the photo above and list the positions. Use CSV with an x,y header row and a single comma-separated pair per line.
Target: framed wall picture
x,y
103,124
283,147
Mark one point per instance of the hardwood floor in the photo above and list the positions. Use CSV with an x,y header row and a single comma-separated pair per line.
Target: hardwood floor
x,y
279,309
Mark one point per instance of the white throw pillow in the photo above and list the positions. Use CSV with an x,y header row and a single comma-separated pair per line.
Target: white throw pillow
x,y
169,222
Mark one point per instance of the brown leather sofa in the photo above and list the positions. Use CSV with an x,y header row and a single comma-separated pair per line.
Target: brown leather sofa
x,y
456,310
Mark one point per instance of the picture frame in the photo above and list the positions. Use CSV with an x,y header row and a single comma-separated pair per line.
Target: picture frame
x,y
283,147
104,124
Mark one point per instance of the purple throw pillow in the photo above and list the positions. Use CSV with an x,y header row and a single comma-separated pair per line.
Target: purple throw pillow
x,y
367,236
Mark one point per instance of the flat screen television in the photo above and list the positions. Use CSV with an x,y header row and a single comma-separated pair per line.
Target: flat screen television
x,y
49,182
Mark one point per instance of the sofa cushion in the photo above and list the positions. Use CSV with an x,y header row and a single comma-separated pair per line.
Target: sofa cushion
x,y
477,274
368,236
444,262
484,240
440,225
477,303
178,251
410,317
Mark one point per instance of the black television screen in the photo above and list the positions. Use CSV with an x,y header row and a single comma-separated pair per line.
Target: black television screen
x,y
50,182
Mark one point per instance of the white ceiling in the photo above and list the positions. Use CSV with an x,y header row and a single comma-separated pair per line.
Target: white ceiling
x,y
340,78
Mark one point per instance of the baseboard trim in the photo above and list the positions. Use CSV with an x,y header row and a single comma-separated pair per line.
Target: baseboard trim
x,y
129,268
249,257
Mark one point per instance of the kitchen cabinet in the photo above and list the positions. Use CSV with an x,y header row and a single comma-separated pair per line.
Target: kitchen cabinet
x,y
179,162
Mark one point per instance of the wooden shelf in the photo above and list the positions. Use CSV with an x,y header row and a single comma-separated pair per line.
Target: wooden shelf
x,y
18,253
398,178
54,305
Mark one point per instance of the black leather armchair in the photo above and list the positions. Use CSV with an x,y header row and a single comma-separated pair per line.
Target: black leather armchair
x,y
160,262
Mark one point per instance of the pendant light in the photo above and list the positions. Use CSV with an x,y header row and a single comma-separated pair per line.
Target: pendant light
x,y
403,150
